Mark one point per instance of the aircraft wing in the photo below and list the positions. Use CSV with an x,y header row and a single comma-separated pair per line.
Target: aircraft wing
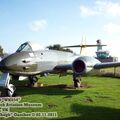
x,y
65,67
106,65
82,68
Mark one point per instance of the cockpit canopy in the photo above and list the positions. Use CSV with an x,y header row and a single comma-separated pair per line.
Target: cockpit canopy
x,y
29,46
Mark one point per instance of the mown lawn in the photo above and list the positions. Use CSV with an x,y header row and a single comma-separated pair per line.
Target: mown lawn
x,y
98,99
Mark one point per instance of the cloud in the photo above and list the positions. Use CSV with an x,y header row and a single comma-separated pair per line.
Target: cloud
x,y
85,11
100,7
38,25
108,7
112,28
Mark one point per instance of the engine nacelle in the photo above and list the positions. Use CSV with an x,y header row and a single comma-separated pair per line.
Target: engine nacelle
x,y
79,66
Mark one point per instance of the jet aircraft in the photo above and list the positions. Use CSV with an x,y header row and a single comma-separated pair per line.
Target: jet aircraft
x,y
31,59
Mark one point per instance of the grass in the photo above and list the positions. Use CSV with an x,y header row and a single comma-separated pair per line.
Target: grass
x,y
99,101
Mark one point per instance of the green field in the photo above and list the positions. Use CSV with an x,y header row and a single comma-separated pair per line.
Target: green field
x,y
98,99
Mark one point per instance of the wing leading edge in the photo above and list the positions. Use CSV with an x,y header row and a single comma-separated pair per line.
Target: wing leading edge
x,y
63,67
106,65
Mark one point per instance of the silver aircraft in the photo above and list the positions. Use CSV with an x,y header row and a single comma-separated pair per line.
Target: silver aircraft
x,y
31,59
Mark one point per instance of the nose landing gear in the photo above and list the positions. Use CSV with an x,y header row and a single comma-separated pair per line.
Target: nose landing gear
x,y
5,83
10,90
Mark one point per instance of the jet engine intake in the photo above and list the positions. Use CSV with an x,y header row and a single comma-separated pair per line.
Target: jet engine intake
x,y
79,66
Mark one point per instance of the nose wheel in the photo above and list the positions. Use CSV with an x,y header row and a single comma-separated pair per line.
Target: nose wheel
x,y
10,90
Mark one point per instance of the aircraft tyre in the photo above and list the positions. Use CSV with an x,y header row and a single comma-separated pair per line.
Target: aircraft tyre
x,y
15,77
77,81
10,90
77,84
33,80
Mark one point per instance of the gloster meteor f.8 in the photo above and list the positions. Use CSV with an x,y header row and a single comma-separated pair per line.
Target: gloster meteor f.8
x,y
31,59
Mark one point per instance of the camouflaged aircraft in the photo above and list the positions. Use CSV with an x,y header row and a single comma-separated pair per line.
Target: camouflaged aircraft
x,y
30,60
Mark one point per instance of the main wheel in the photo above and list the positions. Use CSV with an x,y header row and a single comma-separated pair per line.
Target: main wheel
x,y
77,81
33,80
15,77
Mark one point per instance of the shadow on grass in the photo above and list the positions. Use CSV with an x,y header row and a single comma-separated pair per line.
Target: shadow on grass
x,y
93,113
47,90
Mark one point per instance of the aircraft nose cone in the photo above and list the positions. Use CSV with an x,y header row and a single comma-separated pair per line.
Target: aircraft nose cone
x,y
3,64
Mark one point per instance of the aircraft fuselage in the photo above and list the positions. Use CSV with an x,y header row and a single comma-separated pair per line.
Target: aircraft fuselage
x,y
36,62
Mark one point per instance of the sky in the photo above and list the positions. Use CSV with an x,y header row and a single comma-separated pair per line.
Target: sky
x,y
64,22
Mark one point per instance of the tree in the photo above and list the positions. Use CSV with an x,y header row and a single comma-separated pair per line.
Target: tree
x,y
58,47
1,51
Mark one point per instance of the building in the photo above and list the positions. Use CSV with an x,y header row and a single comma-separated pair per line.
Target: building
x,y
102,55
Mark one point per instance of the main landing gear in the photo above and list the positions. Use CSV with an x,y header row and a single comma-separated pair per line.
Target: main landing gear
x,y
77,80
33,81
